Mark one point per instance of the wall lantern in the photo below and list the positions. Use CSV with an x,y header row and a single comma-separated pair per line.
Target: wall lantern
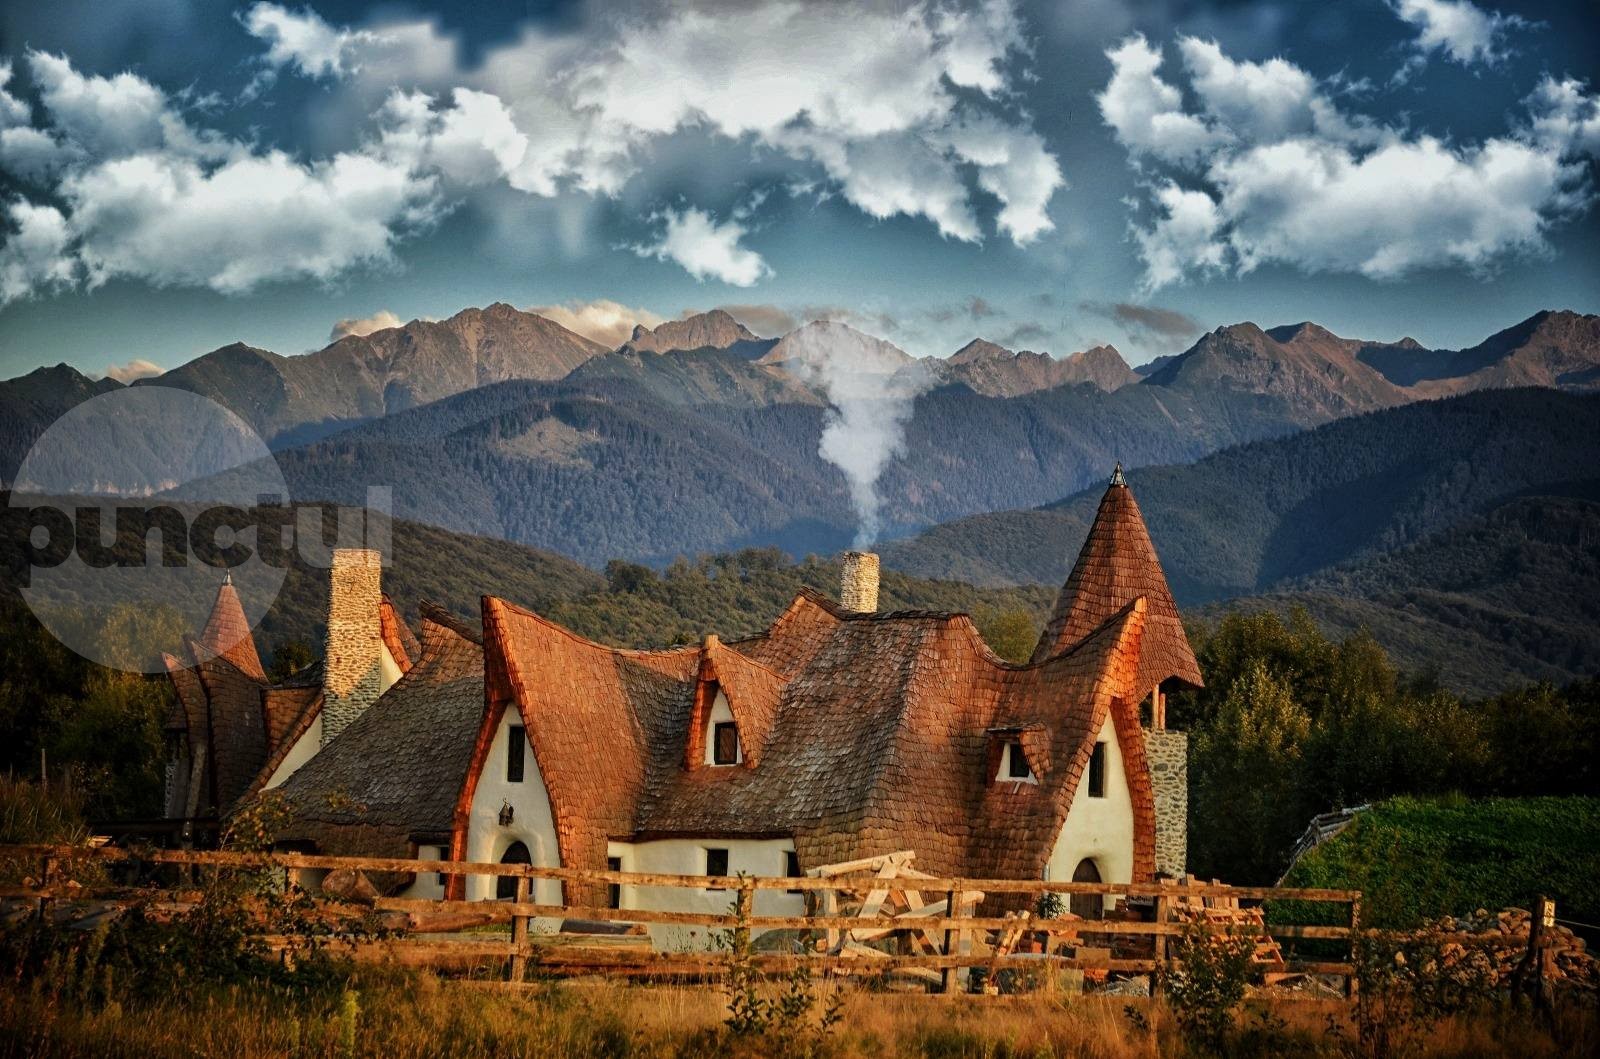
x,y
507,814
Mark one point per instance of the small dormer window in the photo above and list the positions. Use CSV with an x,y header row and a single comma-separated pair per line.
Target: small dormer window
x,y
722,743
1017,762
725,743
1014,767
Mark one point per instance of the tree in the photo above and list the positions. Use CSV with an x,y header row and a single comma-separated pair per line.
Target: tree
x,y
1246,759
1010,633
290,658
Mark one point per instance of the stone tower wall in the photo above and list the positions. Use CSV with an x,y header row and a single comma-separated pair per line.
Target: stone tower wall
x,y
353,677
1168,755
859,591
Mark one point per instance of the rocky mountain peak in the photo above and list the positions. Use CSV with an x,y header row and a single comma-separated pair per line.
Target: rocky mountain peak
x,y
716,329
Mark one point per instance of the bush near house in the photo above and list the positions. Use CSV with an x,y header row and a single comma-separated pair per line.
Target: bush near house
x,y
1416,859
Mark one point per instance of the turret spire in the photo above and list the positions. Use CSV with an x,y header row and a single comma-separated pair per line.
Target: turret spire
x,y
1116,475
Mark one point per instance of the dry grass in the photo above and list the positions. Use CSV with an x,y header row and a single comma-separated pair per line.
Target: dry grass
x,y
405,1015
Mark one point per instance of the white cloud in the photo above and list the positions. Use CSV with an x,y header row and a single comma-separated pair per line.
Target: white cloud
x,y
472,141
847,89
34,256
607,322
1566,117
1147,112
381,320
1460,29
13,111
1184,238
706,249
33,154
1271,171
252,220
141,193
904,111
138,368
300,39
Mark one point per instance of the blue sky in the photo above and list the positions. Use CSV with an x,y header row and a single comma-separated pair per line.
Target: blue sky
x,y
180,175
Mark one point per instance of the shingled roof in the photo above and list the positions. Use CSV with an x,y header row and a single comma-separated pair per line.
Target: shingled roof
x,y
867,733
392,776
227,633
1117,565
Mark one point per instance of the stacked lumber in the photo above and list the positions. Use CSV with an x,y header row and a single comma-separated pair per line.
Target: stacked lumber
x,y
1225,914
888,888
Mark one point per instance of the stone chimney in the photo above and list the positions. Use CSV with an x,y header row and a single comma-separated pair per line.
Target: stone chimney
x,y
353,669
859,591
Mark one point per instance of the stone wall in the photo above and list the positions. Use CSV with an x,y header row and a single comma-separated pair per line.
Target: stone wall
x,y
1168,755
859,590
353,677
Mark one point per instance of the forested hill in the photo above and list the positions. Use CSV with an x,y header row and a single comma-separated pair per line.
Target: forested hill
x,y
598,468
1246,519
1496,600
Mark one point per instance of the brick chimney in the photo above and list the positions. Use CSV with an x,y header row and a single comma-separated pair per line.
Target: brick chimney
x,y
353,669
859,590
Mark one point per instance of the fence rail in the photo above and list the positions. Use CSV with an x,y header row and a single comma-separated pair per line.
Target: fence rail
x,y
967,941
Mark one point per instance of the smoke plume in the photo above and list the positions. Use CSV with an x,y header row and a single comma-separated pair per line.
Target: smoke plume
x,y
871,389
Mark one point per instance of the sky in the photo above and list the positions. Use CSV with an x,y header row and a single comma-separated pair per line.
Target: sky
x,y
176,176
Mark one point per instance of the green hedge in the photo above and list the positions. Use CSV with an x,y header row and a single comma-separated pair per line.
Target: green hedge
x,y
1416,859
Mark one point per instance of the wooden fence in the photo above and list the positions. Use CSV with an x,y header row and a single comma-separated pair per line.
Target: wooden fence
x,y
966,939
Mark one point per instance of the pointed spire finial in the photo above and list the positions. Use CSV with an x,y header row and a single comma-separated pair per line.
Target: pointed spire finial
x,y
227,577
1116,475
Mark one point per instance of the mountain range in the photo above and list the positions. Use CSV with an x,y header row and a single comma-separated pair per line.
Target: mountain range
x,y
1463,531
699,435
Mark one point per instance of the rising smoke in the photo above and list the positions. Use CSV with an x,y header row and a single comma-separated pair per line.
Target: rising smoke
x,y
871,388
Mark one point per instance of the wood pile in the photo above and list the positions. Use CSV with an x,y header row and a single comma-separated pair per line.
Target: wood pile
x,y
889,888
1493,946
1223,914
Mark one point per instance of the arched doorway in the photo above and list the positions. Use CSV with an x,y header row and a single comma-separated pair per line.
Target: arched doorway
x,y
505,886
1086,906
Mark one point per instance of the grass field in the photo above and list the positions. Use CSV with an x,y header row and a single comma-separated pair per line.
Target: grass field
x,y
403,1015
1415,859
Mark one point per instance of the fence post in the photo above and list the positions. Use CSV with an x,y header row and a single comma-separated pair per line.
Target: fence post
x,y
1163,914
948,977
1533,974
1352,982
519,932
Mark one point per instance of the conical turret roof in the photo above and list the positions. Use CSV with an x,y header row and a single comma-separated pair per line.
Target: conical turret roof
x,y
1117,565
227,633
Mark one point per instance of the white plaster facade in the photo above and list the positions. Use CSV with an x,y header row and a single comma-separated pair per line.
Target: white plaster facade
x,y
1098,829
687,856
532,822
304,749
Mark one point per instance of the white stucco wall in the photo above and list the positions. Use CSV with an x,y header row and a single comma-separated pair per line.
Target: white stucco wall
x,y
684,856
427,887
721,713
532,822
304,749
1099,829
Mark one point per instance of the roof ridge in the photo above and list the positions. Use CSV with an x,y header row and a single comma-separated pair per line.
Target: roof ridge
x,y
429,611
723,645
632,652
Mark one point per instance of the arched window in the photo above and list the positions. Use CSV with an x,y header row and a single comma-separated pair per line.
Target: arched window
x,y
1086,906
505,886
